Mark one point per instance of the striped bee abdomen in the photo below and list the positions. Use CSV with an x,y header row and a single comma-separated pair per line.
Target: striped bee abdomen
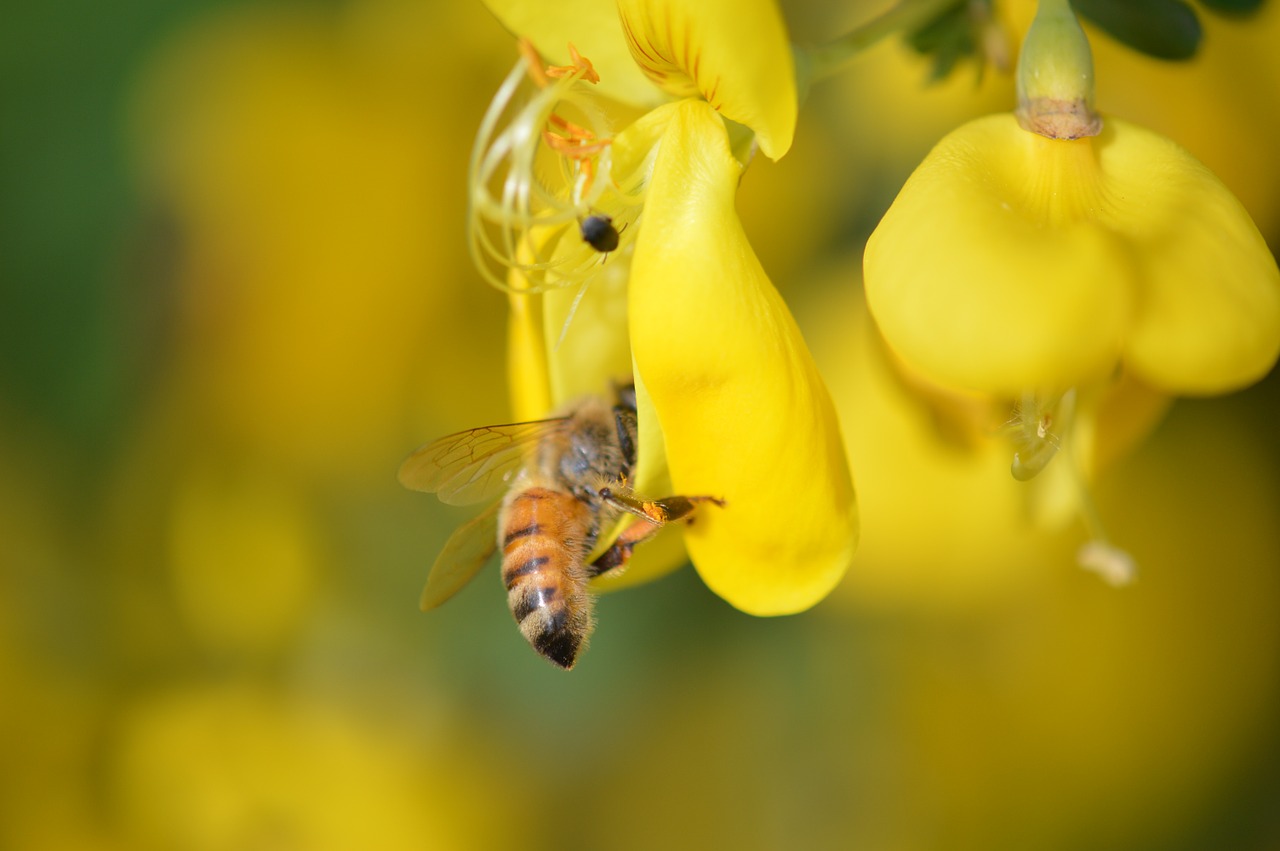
x,y
544,546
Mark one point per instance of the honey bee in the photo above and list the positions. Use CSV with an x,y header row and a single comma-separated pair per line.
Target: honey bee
x,y
566,484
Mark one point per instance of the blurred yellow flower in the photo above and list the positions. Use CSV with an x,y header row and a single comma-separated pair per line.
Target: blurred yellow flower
x,y
1036,255
301,173
240,766
681,302
1011,262
245,555
1051,260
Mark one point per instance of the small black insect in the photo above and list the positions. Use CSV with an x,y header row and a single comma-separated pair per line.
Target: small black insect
x,y
599,233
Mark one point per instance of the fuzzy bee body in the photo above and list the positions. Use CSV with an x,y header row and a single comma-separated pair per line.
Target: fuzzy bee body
x,y
544,550
566,482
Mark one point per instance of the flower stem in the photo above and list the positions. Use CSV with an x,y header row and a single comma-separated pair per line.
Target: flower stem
x,y
1055,76
826,60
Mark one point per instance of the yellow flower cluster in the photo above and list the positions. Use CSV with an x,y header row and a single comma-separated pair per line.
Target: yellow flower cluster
x,y
207,630
1059,272
730,402
1050,256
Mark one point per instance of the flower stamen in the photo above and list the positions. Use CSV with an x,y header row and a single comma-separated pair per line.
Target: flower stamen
x,y
533,63
577,62
579,143
539,165
1098,555
1040,427
1032,431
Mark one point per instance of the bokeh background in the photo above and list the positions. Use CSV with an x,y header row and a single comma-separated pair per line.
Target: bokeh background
x,y
234,293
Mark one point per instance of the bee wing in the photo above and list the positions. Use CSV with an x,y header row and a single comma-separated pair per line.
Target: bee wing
x,y
466,551
476,464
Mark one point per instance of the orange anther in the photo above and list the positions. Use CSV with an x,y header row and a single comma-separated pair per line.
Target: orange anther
x,y
573,147
577,62
578,142
565,124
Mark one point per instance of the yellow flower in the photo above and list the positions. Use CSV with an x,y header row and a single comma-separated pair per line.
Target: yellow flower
x,y
735,55
313,277
235,765
1044,252
1074,268
730,403
1010,262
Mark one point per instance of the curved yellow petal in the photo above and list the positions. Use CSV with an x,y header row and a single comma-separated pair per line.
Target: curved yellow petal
x,y
985,274
592,27
585,330
745,415
734,53
1208,289
568,342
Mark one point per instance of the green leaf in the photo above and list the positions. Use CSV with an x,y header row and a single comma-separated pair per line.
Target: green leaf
x,y
1163,29
1233,7
947,39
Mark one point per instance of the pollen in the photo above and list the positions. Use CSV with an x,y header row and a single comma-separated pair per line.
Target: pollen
x,y
577,63
543,162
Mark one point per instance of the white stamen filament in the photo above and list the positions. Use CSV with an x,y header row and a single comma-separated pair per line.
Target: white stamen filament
x,y
1040,427
516,220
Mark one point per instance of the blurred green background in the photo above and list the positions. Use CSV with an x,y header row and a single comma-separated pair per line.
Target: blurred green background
x,y
234,293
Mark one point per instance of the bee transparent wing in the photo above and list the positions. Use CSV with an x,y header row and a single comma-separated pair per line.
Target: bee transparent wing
x,y
474,465
466,551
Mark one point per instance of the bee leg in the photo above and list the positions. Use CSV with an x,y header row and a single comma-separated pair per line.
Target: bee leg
x,y
651,516
620,552
659,511
624,418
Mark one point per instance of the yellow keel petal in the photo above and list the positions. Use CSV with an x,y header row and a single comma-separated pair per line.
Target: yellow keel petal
x,y
745,414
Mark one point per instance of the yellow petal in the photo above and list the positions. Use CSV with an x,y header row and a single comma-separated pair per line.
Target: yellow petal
x,y
586,333
734,53
1208,289
528,374
982,275
745,414
593,28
